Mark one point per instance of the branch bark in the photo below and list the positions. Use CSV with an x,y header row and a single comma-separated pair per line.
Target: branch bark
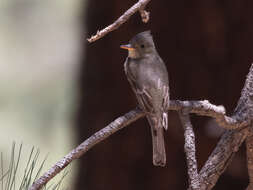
x,y
244,108
231,140
203,108
139,6
190,150
114,126
221,157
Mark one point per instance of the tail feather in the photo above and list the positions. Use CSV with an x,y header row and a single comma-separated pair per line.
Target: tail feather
x,y
165,120
159,154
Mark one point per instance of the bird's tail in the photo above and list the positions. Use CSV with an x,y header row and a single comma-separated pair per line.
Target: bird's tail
x,y
157,124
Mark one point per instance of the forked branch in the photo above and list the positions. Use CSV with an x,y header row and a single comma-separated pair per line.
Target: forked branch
x,y
223,153
221,157
197,107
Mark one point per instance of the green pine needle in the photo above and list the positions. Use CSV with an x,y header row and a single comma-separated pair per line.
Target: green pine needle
x,y
8,179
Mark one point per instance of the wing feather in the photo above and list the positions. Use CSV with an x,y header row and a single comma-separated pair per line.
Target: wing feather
x,y
145,99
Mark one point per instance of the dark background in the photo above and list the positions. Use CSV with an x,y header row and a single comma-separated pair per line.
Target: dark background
x,y
207,47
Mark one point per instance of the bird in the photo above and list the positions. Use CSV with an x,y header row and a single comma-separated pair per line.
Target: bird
x,y
148,77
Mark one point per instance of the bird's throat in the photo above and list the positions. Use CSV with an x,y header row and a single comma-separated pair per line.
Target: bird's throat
x,y
133,54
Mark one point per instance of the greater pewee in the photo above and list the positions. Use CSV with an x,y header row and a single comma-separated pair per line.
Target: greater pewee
x,y
148,76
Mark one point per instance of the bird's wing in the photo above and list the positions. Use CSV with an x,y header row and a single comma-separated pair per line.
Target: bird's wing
x,y
166,97
143,96
166,101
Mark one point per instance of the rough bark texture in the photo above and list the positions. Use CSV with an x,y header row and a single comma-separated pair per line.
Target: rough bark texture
x,y
207,46
221,157
244,109
203,108
139,6
86,145
190,151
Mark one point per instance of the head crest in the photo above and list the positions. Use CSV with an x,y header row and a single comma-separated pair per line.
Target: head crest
x,y
143,37
145,34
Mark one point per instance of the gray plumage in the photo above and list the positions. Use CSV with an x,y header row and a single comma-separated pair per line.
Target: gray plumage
x,y
148,77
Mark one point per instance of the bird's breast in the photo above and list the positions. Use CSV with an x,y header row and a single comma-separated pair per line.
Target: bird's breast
x,y
131,67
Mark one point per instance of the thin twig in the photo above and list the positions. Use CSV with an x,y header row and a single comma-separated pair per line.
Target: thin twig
x,y
139,6
190,150
144,15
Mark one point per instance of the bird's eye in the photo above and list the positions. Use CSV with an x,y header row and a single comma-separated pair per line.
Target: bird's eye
x,y
142,46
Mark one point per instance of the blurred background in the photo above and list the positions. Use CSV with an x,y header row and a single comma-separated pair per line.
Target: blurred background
x,y
57,90
40,45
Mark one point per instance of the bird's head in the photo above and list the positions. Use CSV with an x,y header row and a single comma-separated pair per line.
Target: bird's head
x,y
140,45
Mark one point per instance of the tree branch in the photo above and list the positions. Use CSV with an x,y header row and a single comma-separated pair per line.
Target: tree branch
x,y
114,126
226,148
144,15
205,108
198,107
244,108
139,6
190,150
221,157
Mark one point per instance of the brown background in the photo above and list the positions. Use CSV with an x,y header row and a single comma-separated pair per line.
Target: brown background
x,y
207,46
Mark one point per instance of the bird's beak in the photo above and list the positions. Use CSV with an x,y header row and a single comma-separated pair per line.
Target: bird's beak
x,y
128,47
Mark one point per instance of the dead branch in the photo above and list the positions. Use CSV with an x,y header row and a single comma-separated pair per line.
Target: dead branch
x,y
76,153
190,150
144,15
230,141
205,108
216,163
139,6
244,108
221,157
198,107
